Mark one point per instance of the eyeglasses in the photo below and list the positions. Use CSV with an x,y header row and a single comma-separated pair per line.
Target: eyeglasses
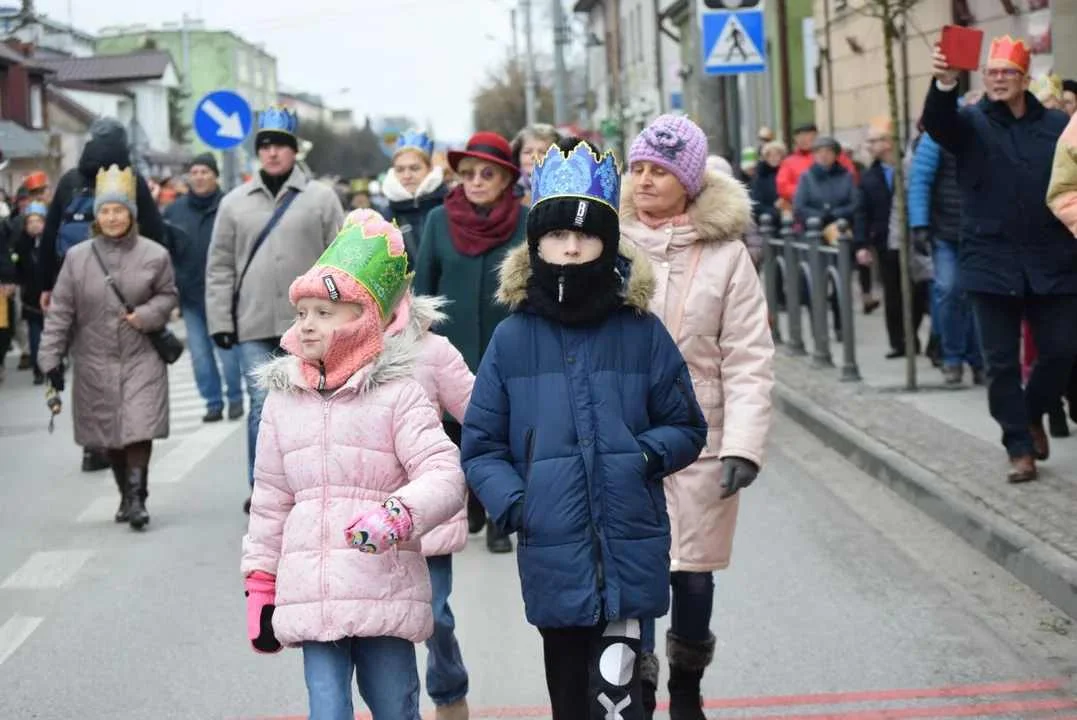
x,y
469,175
1007,73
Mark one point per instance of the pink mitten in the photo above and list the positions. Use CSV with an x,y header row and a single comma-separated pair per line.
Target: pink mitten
x,y
261,594
377,530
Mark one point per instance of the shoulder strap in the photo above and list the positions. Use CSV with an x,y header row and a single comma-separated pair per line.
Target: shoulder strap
x,y
108,277
674,324
289,196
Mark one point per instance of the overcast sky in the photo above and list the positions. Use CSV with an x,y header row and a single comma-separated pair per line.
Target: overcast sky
x,y
421,58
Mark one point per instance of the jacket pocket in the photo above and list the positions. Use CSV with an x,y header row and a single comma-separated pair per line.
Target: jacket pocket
x,y
658,501
694,413
529,453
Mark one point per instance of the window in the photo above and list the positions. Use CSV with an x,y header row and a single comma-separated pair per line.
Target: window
x,y
242,70
37,106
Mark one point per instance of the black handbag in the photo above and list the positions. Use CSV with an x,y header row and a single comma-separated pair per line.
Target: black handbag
x,y
169,347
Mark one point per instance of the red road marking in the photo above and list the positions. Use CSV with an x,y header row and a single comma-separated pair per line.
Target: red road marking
x,y
839,698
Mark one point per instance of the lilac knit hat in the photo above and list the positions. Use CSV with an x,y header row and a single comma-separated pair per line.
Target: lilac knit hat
x,y
677,144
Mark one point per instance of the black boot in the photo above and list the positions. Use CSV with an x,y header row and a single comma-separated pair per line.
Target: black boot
x,y
648,676
496,542
119,473
94,459
687,661
137,491
476,514
1056,421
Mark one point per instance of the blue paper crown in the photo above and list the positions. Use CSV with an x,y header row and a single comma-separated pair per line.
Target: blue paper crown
x,y
417,140
579,174
277,118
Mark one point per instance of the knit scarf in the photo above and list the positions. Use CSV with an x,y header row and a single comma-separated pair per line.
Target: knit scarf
x,y
474,233
575,295
352,347
655,223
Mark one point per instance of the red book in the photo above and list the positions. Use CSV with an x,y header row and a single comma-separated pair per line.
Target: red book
x,y
962,46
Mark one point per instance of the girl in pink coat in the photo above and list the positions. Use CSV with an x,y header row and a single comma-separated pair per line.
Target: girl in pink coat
x,y
352,468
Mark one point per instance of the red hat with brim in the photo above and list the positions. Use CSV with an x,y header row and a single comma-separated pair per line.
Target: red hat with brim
x,y
488,146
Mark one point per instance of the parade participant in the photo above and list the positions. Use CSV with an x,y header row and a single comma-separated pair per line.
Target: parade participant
x,y
444,375
801,160
268,231
689,222
1062,199
27,246
528,146
413,187
1017,259
190,221
581,405
353,468
120,387
464,243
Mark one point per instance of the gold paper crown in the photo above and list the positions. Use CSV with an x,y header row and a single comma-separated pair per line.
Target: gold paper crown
x,y
1006,50
115,182
1047,86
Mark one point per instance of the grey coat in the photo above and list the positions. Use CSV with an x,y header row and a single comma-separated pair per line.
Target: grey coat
x,y
304,231
119,391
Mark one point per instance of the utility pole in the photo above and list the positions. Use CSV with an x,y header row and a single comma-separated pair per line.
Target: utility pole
x,y
529,64
560,39
829,71
515,42
711,109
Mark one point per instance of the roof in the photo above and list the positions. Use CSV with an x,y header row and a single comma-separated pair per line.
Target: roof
x,y
11,56
17,142
139,65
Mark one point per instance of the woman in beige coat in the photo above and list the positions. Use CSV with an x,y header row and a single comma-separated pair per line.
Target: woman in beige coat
x,y
120,388
690,222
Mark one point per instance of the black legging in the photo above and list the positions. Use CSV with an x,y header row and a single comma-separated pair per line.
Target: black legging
x,y
135,455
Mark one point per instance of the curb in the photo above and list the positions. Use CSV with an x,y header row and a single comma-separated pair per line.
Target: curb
x,y
1032,561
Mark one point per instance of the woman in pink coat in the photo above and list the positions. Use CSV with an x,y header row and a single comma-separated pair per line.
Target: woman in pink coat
x,y
353,467
443,373
690,223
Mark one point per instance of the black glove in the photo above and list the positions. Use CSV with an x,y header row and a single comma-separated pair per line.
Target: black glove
x,y
56,378
224,340
737,473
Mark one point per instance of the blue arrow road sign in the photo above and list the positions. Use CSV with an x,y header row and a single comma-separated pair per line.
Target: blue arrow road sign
x,y
222,119
733,42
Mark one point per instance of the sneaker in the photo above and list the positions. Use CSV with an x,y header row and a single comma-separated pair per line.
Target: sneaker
x,y
213,416
952,375
235,411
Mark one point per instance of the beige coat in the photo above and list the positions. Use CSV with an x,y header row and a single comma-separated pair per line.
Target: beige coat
x,y
119,390
307,227
725,339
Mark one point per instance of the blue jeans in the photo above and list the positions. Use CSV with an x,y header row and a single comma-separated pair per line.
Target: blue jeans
x,y
252,354
206,374
384,671
35,325
951,312
446,676
690,611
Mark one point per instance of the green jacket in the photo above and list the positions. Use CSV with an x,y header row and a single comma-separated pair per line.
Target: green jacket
x,y
468,282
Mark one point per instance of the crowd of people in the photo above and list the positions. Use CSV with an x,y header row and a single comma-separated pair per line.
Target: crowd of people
x,y
529,341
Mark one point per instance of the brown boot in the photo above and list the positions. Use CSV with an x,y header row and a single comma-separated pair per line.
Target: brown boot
x,y
1022,470
454,711
1040,443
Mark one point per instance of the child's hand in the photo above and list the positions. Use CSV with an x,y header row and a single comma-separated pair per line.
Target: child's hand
x,y
377,530
261,590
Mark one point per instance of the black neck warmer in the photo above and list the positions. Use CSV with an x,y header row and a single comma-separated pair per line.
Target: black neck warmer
x,y
574,295
274,183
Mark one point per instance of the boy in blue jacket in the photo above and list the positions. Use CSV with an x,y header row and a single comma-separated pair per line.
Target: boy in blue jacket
x,y
581,405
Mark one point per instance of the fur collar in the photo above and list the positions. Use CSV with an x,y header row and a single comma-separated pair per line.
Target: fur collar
x,y
393,190
721,212
425,311
397,360
516,270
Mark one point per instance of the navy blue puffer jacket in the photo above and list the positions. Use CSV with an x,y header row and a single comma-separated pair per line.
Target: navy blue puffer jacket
x,y
554,442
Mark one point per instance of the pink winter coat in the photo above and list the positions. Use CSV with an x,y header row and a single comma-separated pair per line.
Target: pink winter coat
x,y
444,374
725,338
323,460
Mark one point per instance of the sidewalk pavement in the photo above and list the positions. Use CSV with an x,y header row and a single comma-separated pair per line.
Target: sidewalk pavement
x,y
941,450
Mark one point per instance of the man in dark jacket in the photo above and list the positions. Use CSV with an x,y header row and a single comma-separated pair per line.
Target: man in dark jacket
x,y
1017,260
190,228
107,146
873,232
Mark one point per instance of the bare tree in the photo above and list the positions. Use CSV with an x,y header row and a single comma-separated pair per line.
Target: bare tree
x,y
892,14
499,104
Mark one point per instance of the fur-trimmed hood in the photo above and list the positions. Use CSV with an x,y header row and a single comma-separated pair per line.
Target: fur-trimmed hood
x,y
721,212
516,271
426,311
397,360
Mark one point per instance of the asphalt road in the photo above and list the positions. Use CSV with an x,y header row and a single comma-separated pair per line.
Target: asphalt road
x,y
843,602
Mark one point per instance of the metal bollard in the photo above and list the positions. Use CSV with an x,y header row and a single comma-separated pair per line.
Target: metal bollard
x,y
770,275
819,284
850,372
792,290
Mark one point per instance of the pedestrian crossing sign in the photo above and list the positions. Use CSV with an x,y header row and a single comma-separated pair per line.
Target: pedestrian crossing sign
x,y
733,41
